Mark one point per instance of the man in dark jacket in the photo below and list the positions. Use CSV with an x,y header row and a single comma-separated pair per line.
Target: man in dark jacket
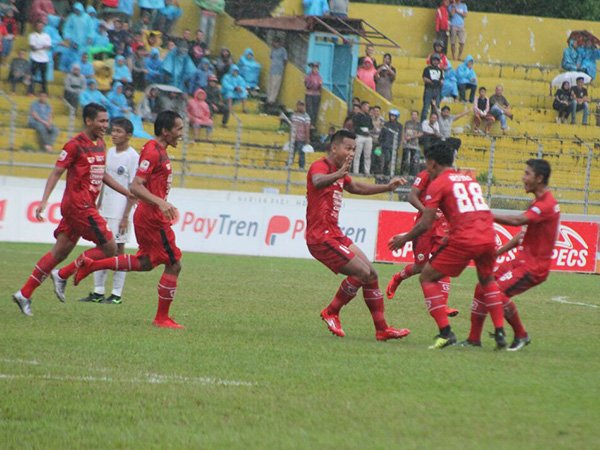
x,y
215,99
389,141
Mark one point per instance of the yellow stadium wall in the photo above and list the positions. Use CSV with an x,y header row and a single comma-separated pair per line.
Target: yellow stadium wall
x,y
490,37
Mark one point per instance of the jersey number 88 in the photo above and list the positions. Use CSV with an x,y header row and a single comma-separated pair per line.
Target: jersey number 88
x,y
469,197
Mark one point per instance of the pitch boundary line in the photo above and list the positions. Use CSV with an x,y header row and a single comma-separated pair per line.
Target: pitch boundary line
x,y
562,299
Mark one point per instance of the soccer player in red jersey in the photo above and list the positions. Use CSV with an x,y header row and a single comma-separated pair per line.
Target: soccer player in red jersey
x,y
83,158
531,265
470,237
152,219
424,245
326,180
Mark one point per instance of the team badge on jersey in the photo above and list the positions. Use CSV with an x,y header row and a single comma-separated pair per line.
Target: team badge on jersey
x,y
63,155
144,165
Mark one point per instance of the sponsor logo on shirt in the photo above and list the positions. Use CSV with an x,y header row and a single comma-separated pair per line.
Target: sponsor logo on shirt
x,y
63,155
144,165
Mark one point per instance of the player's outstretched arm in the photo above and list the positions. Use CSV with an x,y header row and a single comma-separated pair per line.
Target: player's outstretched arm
x,y
356,187
514,220
112,183
398,241
140,191
50,185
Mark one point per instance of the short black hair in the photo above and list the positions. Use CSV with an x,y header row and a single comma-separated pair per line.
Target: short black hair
x,y
91,110
441,153
363,103
123,123
540,167
340,135
165,121
579,78
482,88
445,108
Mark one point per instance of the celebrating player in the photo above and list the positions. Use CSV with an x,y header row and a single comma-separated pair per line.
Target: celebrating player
x,y
531,265
327,178
471,237
152,219
121,164
424,245
83,158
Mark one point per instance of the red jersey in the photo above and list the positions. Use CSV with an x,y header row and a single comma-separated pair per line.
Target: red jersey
x,y
323,205
422,182
155,169
461,200
442,19
84,160
542,228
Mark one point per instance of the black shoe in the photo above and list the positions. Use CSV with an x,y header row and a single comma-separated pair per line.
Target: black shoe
x,y
519,343
93,298
468,343
441,342
500,338
112,300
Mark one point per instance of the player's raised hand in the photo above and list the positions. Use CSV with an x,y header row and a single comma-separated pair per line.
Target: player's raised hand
x,y
397,242
39,212
395,182
346,165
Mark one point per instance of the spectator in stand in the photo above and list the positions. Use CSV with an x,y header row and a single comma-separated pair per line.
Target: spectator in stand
x,y
369,53
570,59
315,7
148,107
74,85
313,84
445,122
40,119
348,122
214,98
199,80
151,6
91,94
12,29
579,101
250,69
178,67
433,77
458,12
438,47
121,71
143,23
378,123
466,79
366,73
198,48
562,102
412,151
187,37
167,17
93,18
199,114
39,11
279,59
19,71
86,67
450,86
172,102
119,37
153,65
589,55
389,141
481,112
209,9
301,132
442,25
223,63
431,131
234,88
385,77
78,28
119,106
500,108
339,8
129,93
101,43
363,125
126,7
138,69
39,43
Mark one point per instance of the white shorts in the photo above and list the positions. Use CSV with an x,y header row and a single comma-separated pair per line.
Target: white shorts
x,y
113,224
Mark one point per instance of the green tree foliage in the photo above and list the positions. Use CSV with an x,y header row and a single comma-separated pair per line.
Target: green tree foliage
x,y
563,9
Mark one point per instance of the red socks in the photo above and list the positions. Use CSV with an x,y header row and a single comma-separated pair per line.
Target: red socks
x,y
512,317
436,303
478,315
492,297
122,263
445,285
69,269
167,286
346,292
407,272
40,272
374,300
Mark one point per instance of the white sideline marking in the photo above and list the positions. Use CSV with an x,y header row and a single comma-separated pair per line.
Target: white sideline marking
x,y
564,300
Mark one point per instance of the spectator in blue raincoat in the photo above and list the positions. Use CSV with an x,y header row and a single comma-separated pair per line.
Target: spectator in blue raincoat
x,y
315,7
118,101
51,29
234,87
178,67
589,55
466,79
121,71
570,60
199,80
86,68
250,69
78,28
167,16
94,21
126,7
153,65
91,94
450,86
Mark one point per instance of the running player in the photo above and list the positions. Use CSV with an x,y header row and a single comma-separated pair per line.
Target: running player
x,y
424,245
152,219
531,265
121,164
471,237
83,159
327,178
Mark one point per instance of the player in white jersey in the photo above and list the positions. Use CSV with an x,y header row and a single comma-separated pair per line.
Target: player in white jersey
x,y
121,163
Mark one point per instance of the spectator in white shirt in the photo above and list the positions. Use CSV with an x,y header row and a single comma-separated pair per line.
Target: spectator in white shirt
x,y
431,131
39,43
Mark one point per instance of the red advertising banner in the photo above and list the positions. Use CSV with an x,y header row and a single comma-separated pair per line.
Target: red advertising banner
x,y
575,249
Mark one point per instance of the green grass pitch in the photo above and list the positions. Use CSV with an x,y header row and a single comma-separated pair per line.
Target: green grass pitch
x,y
257,369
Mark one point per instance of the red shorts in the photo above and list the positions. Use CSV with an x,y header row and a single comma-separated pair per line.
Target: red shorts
x,y
85,223
333,252
426,244
514,277
451,259
157,243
